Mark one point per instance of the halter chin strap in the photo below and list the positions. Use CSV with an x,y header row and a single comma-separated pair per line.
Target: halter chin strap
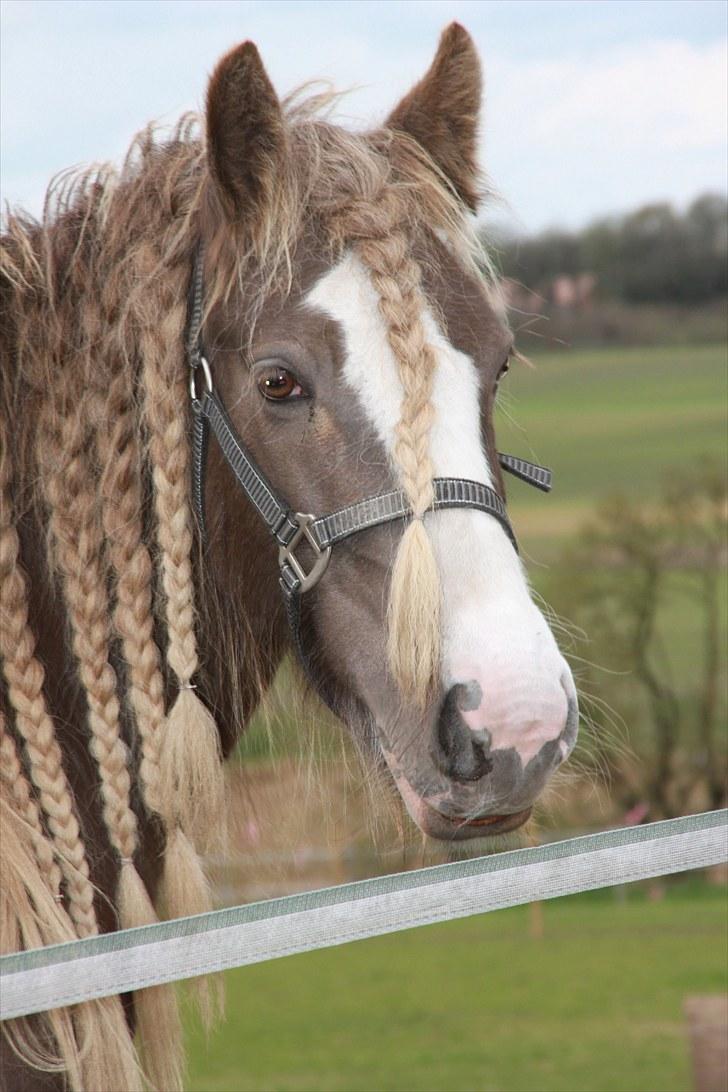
x,y
290,528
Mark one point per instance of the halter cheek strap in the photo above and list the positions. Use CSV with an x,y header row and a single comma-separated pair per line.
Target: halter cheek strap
x,y
290,528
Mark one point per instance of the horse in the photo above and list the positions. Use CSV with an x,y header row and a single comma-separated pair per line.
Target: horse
x,y
261,304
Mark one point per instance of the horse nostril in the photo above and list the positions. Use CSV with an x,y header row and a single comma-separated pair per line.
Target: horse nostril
x,y
458,752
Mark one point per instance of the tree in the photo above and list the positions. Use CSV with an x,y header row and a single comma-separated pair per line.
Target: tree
x,y
652,255
632,579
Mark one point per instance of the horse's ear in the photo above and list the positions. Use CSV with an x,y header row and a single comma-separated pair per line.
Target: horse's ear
x,y
441,111
245,133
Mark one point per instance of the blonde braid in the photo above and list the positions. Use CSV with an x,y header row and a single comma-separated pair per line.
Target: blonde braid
x,y
191,787
79,553
89,1043
12,773
121,501
24,676
413,642
192,776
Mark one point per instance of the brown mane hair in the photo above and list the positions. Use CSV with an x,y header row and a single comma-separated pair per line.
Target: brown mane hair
x,y
93,312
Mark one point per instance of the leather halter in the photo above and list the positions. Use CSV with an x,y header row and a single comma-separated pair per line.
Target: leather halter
x,y
288,527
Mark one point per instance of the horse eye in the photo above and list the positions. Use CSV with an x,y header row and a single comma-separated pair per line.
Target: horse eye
x,y
503,369
277,384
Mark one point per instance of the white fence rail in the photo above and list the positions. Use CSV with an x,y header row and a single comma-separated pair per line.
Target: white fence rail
x,y
132,959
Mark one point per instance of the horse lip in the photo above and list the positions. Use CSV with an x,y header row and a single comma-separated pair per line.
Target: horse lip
x,y
494,824
459,828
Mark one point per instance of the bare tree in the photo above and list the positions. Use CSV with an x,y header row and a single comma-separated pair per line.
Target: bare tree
x,y
631,569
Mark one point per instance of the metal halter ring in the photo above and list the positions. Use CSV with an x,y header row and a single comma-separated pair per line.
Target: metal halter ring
x,y
207,375
287,556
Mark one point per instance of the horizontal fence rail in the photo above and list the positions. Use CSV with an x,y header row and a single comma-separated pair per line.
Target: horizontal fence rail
x,y
132,959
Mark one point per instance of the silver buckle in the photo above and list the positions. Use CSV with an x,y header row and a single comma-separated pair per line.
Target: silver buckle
x,y
286,555
195,369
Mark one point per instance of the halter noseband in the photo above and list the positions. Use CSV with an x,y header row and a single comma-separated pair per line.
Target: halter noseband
x,y
289,527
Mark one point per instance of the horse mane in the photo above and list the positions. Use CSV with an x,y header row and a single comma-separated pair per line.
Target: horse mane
x,y
93,312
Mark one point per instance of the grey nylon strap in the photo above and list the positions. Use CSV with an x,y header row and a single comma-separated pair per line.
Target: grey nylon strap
x,y
449,493
255,485
323,533
532,473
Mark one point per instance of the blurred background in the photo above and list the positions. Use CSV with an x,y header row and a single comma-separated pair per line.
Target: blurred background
x,y
605,141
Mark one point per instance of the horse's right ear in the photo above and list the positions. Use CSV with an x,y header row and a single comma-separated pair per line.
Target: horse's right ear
x,y
245,133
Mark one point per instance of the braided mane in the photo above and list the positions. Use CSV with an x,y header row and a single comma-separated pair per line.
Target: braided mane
x,y
93,314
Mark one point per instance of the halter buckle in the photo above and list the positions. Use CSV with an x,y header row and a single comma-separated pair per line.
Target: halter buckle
x,y
200,365
286,555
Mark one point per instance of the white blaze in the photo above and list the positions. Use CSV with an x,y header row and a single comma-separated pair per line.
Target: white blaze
x,y
492,632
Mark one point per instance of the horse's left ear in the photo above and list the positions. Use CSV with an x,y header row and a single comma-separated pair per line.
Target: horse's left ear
x,y
245,134
441,111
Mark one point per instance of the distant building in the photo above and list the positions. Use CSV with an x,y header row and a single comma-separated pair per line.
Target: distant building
x,y
566,292
573,292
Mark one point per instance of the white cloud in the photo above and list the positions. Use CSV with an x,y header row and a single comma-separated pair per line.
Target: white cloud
x,y
568,134
568,138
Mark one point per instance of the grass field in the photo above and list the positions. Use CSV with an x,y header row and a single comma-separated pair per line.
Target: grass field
x,y
608,420
479,1004
615,421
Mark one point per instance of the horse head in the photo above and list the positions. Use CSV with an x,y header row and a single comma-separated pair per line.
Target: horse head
x,y
354,334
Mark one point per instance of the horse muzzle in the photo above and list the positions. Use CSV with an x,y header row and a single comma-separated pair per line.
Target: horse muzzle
x,y
466,787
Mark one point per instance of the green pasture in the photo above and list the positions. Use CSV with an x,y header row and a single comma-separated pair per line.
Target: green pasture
x,y
615,421
593,1005
608,421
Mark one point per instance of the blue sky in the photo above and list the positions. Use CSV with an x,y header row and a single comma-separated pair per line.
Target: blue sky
x,y
591,106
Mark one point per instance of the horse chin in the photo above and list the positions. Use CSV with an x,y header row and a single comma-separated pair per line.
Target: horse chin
x,y
437,816
449,826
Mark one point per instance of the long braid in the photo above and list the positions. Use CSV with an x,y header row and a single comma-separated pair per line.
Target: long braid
x,y
32,912
189,794
13,775
383,245
192,776
24,676
121,501
119,454
78,546
90,1043
78,552
94,1047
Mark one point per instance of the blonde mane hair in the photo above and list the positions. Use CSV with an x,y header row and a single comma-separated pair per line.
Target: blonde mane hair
x,y
94,298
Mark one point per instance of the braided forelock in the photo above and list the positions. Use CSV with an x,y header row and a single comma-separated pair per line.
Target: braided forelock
x,y
380,229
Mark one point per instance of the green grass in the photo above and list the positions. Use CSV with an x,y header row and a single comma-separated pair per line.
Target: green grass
x,y
608,420
593,1006
616,421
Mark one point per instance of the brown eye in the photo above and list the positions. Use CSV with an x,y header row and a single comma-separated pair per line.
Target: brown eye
x,y
278,384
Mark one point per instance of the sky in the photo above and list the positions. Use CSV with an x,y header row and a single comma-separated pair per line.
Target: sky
x,y
592,107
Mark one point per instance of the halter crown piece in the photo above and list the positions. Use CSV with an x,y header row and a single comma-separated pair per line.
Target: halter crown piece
x,y
288,527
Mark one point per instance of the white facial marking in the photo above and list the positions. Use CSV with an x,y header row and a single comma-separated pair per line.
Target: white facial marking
x,y
492,632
